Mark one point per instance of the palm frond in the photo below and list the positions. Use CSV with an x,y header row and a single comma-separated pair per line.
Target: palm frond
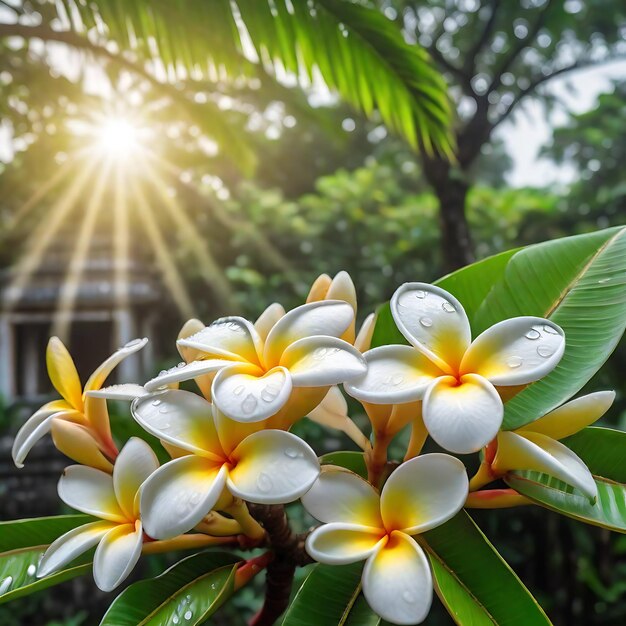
x,y
355,49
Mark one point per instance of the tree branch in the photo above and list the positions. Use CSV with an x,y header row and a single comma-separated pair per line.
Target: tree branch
x,y
82,43
523,43
540,80
469,67
289,553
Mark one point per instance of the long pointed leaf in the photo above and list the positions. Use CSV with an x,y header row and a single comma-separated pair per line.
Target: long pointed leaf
x,y
23,543
187,593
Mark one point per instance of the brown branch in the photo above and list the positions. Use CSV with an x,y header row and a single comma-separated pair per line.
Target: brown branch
x,y
523,43
540,80
289,553
469,67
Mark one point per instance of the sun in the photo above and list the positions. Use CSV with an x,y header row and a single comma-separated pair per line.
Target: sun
x,y
118,138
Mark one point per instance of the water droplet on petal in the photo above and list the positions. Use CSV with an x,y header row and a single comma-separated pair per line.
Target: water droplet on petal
x,y
249,404
164,409
448,307
550,330
292,453
264,482
238,390
408,596
533,333
514,361
420,294
426,322
156,402
545,351
269,393
32,569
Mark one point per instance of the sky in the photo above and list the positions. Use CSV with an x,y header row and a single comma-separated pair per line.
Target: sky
x,y
530,130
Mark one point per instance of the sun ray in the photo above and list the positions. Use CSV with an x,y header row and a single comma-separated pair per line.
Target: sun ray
x,y
38,242
171,276
251,233
69,290
209,269
42,191
121,239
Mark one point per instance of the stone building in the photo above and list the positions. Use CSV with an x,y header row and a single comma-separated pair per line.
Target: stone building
x,y
113,302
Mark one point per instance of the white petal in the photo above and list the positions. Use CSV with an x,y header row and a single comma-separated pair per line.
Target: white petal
x,y
340,544
322,361
572,416
72,544
464,417
363,339
342,288
244,396
433,321
96,380
516,351
116,555
272,467
36,427
329,317
90,491
339,495
232,338
397,582
395,374
135,463
126,391
179,494
423,493
268,318
532,451
181,418
186,371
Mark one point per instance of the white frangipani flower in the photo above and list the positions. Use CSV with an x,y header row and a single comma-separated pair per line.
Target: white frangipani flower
x,y
536,446
457,379
287,373
80,421
359,524
262,466
115,500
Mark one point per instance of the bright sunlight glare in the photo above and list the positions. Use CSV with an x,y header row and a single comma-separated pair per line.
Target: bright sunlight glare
x,y
118,137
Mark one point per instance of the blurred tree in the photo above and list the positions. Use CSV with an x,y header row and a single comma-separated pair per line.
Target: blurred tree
x,y
595,144
497,54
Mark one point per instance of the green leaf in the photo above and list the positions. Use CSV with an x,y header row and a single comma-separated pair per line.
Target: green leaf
x,y
187,593
23,543
579,283
470,285
609,510
602,449
331,596
354,461
473,581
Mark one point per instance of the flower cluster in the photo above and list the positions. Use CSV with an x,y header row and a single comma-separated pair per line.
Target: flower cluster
x,y
231,445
